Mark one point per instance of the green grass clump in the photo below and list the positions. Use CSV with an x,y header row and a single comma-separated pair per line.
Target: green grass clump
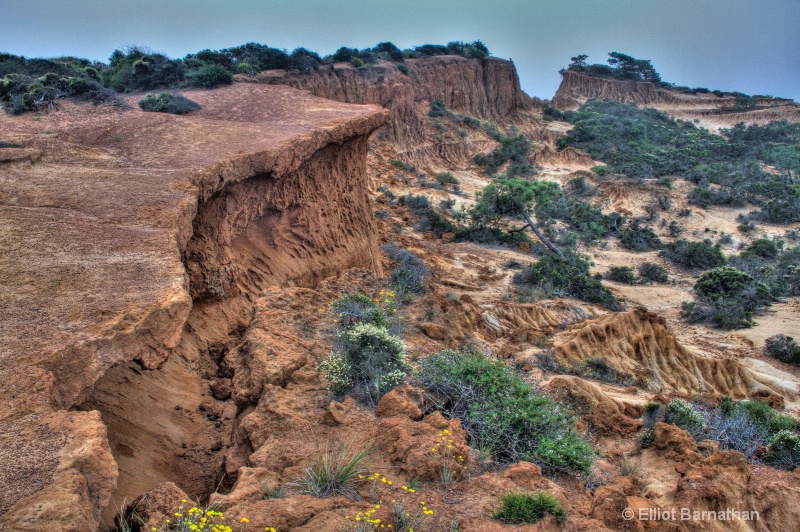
x,y
518,507
334,472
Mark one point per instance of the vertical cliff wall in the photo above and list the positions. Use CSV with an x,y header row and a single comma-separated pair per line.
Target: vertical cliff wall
x,y
487,89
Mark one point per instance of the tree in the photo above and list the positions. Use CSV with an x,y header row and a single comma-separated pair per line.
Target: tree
x,y
514,198
578,62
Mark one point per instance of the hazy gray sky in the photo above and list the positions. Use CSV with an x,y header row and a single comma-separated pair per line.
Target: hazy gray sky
x,y
748,45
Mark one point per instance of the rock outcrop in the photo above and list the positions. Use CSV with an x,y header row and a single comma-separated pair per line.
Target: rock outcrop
x,y
265,185
639,344
711,110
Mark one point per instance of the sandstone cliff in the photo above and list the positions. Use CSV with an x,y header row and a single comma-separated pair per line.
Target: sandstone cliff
x,y
101,233
713,111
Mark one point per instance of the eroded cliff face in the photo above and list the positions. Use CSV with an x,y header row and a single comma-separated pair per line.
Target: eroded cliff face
x,y
713,111
271,190
485,89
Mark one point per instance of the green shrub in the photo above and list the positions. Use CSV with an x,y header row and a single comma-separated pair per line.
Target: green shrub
x,y
501,412
784,348
411,275
653,272
569,276
209,76
783,450
637,237
621,274
514,149
727,298
696,255
446,178
139,69
682,414
437,109
355,309
167,102
518,507
580,187
765,416
763,248
373,360
665,181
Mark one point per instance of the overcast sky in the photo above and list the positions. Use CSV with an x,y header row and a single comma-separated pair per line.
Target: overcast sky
x,y
752,46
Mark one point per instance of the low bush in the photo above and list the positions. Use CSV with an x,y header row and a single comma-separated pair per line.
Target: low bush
x,y
446,178
515,149
653,272
209,76
681,413
783,450
638,237
744,426
568,276
367,363
784,348
410,275
518,507
167,102
696,255
502,413
764,248
621,274
580,187
727,298
437,109
355,309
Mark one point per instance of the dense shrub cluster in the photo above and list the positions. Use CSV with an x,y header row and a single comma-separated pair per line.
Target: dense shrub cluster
x,y
567,277
696,255
643,143
784,348
638,237
727,298
31,84
653,272
502,413
167,102
621,274
777,268
743,426
515,149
